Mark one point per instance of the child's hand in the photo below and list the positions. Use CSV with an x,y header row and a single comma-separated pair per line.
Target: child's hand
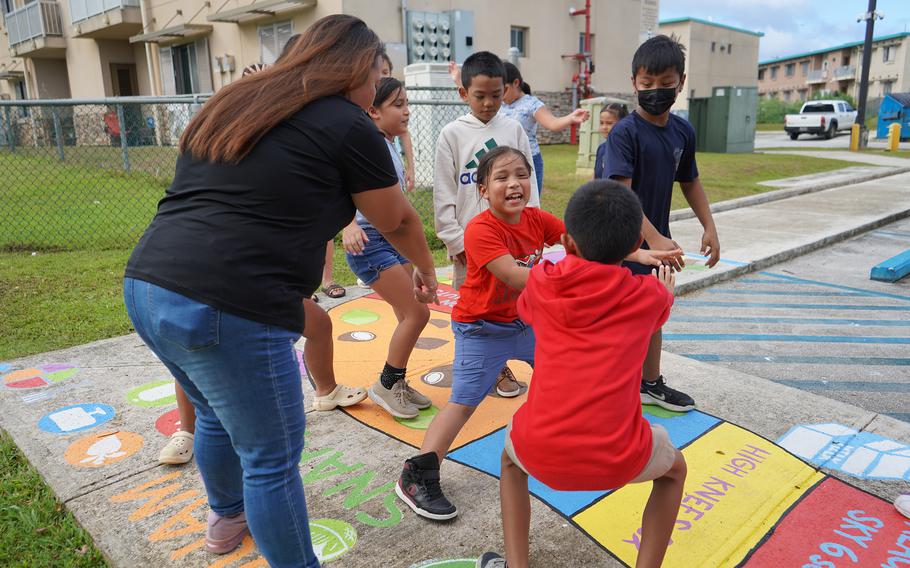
x,y
656,257
455,73
710,247
666,276
579,115
462,258
425,286
665,244
353,238
409,179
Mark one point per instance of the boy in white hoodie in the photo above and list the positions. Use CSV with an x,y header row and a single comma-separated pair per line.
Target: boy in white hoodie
x,y
462,143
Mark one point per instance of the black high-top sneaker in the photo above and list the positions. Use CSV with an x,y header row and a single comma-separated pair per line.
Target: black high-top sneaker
x,y
419,488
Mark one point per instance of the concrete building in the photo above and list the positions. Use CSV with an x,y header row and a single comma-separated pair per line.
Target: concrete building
x,y
717,55
99,48
837,70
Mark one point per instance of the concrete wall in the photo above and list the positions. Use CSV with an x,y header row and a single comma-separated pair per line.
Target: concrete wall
x,y
49,79
706,69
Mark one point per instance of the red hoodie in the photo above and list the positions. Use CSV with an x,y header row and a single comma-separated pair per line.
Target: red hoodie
x,y
581,428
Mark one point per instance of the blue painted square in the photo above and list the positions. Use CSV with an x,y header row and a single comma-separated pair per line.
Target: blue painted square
x,y
484,454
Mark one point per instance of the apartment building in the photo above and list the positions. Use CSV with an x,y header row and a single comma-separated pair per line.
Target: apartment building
x,y
101,48
717,55
837,70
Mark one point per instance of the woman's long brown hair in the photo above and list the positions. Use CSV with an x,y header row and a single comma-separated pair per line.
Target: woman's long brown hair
x,y
332,57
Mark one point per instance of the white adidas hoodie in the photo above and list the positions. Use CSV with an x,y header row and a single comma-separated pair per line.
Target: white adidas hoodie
x,y
456,200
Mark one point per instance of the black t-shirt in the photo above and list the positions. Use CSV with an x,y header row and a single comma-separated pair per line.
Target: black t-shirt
x,y
654,157
250,238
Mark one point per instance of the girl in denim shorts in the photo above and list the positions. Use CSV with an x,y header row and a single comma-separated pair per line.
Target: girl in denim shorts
x,y
376,262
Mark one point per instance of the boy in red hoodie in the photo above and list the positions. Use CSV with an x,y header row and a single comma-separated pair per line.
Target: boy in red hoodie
x,y
593,320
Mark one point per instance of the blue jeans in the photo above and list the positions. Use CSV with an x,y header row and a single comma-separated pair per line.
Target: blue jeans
x,y
482,348
537,159
244,382
378,256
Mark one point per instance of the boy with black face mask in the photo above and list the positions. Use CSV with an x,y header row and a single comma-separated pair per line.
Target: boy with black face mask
x,y
648,151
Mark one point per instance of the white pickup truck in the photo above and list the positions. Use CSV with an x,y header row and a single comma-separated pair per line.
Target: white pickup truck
x,y
820,117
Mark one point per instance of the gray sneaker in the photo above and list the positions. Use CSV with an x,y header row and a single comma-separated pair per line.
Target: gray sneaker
x,y
394,400
491,560
416,398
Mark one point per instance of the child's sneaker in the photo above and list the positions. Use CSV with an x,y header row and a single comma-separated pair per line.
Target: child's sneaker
x,y
902,504
491,560
507,386
396,400
416,397
224,534
660,394
419,487
178,450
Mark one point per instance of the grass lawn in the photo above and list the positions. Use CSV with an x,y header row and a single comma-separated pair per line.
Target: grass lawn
x,y
769,127
60,298
35,530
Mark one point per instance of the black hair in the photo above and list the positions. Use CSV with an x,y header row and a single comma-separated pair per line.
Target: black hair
x,y
604,218
388,87
489,159
513,74
481,63
385,57
287,47
659,54
619,109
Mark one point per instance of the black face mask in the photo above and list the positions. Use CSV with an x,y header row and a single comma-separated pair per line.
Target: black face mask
x,y
657,101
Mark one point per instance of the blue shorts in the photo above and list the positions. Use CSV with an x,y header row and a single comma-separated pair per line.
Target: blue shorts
x,y
481,350
378,255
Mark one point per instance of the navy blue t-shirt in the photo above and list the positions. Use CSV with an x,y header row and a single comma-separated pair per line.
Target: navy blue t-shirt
x,y
600,162
654,157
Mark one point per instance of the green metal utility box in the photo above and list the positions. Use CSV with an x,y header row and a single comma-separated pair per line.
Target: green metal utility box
x,y
725,121
589,136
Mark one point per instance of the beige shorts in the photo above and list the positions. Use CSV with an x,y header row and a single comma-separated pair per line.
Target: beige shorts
x,y
663,454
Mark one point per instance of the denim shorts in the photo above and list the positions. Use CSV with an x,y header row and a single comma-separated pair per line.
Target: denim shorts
x,y
481,349
378,255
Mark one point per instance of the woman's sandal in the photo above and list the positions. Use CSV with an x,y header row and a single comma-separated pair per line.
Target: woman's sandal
x,y
334,291
342,396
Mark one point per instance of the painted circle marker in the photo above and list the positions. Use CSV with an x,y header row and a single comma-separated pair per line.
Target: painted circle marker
x,y
168,423
106,448
659,411
150,395
359,317
447,563
433,378
39,377
76,418
332,538
363,336
422,421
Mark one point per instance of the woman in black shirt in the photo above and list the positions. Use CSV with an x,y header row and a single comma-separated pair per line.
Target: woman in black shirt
x,y
218,286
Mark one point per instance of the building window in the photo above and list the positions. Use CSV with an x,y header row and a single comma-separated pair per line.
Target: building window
x,y
803,94
272,38
19,89
581,43
518,38
886,87
791,69
774,73
787,95
804,68
713,46
761,74
729,48
889,53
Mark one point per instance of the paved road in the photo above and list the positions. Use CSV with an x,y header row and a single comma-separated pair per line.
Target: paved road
x,y
782,140
816,323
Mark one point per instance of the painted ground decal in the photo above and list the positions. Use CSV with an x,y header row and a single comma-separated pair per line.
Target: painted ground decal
x,y
38,377
747,501
861,454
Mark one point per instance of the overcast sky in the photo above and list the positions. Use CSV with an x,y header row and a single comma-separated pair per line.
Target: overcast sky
x,y
793,26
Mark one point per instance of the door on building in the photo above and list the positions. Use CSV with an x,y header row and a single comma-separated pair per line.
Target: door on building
x,y
125,81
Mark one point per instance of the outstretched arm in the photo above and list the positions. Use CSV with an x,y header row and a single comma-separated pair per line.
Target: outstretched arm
x,y
507,271
546,118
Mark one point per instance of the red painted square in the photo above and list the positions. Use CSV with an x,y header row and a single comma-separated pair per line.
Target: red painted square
x,y
31,383
837,525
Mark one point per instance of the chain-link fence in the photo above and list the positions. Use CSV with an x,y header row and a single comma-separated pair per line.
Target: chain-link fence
x,y
78,174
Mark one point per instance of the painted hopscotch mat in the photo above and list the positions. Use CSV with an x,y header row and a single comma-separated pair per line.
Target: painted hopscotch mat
x,y
747,502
